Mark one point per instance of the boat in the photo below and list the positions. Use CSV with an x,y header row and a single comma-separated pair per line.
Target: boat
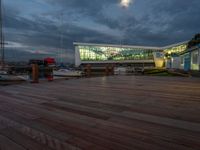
x,y
67,73
2,72
63,71
120,71
7,79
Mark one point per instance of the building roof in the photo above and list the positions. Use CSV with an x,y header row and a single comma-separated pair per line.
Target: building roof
x,y
131,46
174,45
113,45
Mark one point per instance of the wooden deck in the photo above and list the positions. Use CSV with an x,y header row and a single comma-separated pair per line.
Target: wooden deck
x,y
105,113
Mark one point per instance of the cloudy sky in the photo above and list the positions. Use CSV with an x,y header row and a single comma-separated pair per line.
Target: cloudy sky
x,y
34,28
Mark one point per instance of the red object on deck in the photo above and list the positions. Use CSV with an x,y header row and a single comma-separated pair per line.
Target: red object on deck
x,y
49,61
50,78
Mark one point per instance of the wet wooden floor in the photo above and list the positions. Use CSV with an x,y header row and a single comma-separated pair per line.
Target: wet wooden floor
x,y
105,113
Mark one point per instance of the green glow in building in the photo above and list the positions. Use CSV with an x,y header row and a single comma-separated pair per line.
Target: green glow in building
x,y
96,54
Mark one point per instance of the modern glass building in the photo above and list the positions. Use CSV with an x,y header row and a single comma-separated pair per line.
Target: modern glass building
x,y
107,53
175,49
88,53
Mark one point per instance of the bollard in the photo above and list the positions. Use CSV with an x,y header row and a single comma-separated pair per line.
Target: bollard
x,y
35,73
88,70
107,70
50,75
112,70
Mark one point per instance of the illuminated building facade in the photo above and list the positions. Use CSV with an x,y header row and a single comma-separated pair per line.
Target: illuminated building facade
x,y
190,59
96,54
172,53
175,49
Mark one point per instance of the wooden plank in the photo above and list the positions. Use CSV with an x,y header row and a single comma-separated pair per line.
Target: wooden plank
x,y
31,138
7,144
119,112
163,121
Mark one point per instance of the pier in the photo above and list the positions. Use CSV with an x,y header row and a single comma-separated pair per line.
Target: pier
x,y
103,113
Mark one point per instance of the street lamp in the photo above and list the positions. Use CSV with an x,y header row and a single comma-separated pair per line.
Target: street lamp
x,y
126,3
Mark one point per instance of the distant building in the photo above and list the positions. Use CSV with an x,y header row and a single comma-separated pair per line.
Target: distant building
x,y
190,59
126,55
172,53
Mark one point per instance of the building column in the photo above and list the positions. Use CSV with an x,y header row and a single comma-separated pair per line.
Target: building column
x,y
159,59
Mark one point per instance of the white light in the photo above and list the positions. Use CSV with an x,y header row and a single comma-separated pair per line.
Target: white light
x,y
126,3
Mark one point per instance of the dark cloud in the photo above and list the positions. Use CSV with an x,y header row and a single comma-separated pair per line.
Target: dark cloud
x,y
145,22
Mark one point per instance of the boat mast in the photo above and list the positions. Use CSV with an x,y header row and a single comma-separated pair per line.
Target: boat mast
x,y
61,38
1,35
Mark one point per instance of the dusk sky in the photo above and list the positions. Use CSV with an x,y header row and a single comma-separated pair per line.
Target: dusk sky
x,y
33,28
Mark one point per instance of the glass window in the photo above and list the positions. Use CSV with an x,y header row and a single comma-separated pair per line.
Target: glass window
x,y
195,57
182,60
98,53
176,49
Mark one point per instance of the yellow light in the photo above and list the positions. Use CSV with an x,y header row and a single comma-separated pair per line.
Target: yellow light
x,y
169,52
